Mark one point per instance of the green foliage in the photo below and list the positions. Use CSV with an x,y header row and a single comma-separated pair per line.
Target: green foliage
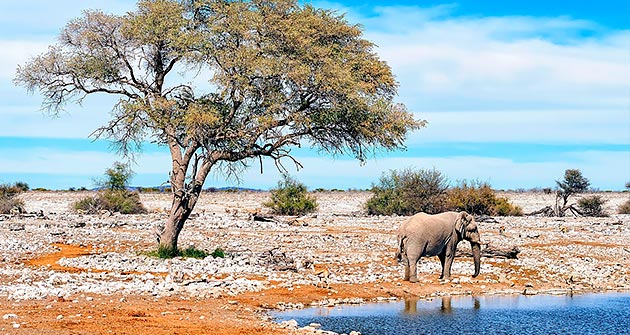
x,y
503,207
218,253
166,253
592,206
291,197
481,199
88,205
573,182
192,252
408,192
474,197
117,177
121,201
8,198
115,197
22,185
624,208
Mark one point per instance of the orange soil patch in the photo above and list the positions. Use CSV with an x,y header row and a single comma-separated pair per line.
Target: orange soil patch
x,y
65,250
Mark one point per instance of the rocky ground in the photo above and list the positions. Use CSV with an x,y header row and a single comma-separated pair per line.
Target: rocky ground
x,y
66,273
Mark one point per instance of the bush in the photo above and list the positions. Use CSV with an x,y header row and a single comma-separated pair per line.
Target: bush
x,y
479,198
88,205
503,207
218,253
122,201
624,208
408,192
291,198
192,252
114,197
22,185
592,206
8,200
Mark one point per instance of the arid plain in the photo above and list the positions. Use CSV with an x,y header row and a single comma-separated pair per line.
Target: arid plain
x,y
67,273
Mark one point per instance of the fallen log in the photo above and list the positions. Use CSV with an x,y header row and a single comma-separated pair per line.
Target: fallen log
x,y
493,252
261,218
546,211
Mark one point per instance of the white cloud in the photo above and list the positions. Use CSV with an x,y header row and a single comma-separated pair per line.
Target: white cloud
x,y
504,63
526,126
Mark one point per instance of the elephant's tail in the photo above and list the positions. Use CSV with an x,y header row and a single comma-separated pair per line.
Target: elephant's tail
x,y
401,243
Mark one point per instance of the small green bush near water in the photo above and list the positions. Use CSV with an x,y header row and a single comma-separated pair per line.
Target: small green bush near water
x,y
291,197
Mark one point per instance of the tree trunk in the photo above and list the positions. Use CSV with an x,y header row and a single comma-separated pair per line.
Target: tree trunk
x,y
183,205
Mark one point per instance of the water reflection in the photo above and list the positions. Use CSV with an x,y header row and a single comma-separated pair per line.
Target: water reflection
x,y
587,314
446,306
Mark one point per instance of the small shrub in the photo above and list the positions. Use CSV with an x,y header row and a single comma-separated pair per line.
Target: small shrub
x,y
624,208
479,198
8,200
88,205
218,253
165,253
22,185
117,177
592,206
408,192
503,207
8,205
291,198
114,197
123,201
474,197
192,252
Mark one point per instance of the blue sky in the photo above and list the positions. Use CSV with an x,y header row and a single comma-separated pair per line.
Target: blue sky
x,y
515,93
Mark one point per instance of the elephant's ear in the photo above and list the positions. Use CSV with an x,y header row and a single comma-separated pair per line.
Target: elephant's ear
x,y
460,222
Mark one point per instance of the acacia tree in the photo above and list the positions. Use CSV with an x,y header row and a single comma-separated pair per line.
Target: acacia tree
x,y
279,75
573,183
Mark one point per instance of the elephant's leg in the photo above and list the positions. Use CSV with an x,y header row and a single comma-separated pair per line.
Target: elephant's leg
x,y
406,263
448,261
442,257
413,267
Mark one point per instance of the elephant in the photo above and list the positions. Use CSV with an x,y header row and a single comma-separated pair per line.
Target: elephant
x,y
436,235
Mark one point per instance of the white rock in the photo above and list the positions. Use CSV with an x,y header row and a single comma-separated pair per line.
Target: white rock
x,y
9,316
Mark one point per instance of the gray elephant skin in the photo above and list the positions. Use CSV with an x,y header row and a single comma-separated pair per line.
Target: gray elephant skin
x,y
436,235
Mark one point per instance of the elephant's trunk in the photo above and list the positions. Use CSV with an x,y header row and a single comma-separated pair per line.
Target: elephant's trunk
x,y
476,252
